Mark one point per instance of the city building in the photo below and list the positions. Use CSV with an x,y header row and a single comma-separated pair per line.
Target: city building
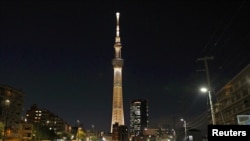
x,y
120,133
117,62
138,116
25,131
46,118
233,99
11,108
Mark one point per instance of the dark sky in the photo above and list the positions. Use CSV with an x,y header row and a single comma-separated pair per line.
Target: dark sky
x,y
59,54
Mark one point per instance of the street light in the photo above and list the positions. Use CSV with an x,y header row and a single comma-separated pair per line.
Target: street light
x,y
185,127
211,103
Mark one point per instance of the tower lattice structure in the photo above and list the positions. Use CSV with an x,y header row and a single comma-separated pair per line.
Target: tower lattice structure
x,y
117,62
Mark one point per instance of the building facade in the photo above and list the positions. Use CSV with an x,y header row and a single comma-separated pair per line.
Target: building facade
x,y
44,117
11,108
139,117
25,131
117,62
233,99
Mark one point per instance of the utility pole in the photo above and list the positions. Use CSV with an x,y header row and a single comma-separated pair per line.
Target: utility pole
x,y
209,85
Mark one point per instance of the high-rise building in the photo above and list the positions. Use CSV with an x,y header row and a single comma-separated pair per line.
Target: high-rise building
x,y
117,62
138,116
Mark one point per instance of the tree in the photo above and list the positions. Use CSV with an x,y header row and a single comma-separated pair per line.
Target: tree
x,y
1,130
80,135
43,132
66,135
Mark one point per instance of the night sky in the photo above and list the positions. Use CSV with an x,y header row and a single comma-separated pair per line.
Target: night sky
x,y
59,54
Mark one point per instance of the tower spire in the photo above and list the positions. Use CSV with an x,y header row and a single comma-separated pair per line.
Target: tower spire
x,y
117,45
117,38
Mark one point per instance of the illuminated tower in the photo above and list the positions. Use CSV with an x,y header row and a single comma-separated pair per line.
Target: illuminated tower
x,y
117,107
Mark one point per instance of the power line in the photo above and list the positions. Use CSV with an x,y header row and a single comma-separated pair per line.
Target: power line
x,y
198,121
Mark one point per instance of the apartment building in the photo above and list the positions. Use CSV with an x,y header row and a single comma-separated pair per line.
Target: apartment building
x,y
233,99
11,108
